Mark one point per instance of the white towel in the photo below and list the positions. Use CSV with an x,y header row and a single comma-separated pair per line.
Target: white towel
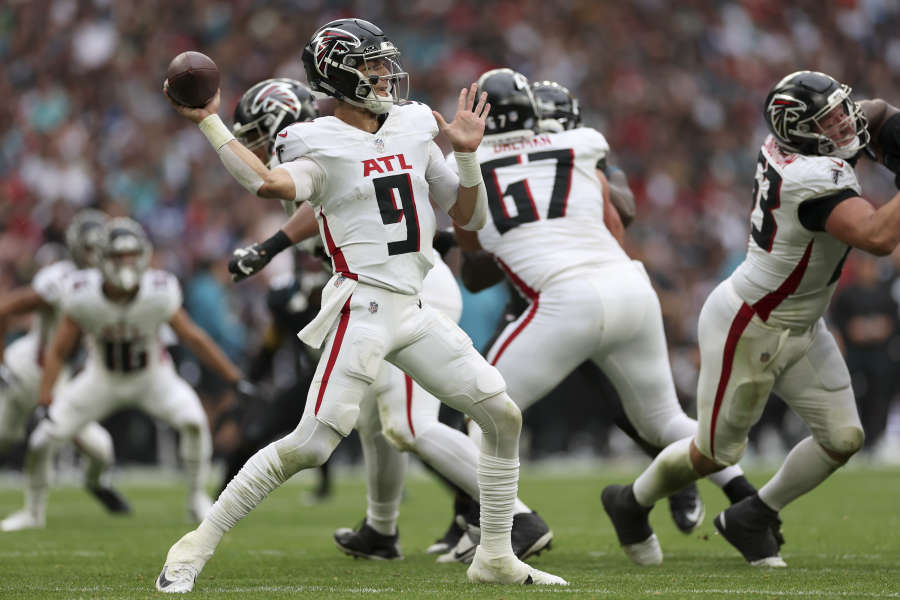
x,y
334,296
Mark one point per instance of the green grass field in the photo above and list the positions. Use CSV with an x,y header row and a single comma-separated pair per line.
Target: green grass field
x,y
843,541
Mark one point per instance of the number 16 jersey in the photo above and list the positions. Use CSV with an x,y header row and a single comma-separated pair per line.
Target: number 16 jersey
x,y
793,264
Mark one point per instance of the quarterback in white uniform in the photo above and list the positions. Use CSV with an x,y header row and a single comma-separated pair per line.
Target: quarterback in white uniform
x,y
120,309
369,172
761,330
396,414
20,370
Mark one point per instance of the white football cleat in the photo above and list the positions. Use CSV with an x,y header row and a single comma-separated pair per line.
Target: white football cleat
x,y
184,562
22,519
465,547
508,570
198,505
645,553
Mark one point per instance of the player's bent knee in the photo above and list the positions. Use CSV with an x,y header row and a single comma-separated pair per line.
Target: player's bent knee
x,y
503,413
400,438
844,442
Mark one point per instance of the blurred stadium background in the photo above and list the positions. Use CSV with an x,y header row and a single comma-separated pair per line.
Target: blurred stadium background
x,y
676,88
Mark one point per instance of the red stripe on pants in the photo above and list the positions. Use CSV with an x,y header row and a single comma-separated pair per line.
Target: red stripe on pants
x,y
529,293
763,307
409,399
335,349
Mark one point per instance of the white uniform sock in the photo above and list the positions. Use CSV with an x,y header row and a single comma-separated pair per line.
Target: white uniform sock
x,y
97,445
806,466
723,477
498,479
196,450
38,462
385,470
256,479
669,472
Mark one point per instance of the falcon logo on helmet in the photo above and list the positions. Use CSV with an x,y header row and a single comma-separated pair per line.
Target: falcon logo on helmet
x,y
329,42
276,96
784,112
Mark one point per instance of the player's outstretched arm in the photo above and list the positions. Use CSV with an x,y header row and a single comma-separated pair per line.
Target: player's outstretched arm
x,y
465,132
855,221
252,259
243,165
55,357
17,301
199,342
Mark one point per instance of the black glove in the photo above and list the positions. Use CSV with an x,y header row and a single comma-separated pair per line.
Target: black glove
x,y
41,412
247,261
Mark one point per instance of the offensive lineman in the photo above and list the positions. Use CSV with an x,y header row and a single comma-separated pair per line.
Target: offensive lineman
x,y
120,308
761,330
549,230
368,173
20,371
396,414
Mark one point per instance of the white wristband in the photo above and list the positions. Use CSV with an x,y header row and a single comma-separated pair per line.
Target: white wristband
x,y
469,169
216,131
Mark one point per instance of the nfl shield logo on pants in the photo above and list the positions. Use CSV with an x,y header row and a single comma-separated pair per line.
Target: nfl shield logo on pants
x,y
373,307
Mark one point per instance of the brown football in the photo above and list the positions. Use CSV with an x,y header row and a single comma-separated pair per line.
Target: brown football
x,y
193,79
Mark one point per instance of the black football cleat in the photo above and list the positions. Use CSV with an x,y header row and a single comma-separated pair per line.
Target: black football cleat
x,y
530,535
111,499
632,524
365,542
749,526
687,509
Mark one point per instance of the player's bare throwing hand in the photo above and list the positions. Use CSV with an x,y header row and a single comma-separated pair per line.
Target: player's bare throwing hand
x,y
368,172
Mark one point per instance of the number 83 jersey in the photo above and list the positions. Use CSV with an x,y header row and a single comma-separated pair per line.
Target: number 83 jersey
x,y
793,264
372,205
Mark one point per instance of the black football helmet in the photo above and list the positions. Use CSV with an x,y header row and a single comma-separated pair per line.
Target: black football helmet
x,y
84,237
348,58
558,110
270,106
512,103
125,253
812,113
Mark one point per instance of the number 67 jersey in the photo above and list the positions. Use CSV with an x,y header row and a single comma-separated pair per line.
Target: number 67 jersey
x,y
792,263
545,203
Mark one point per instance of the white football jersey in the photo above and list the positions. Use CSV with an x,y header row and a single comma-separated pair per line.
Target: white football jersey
x,y
123,338
545,203
373,209
441,291
792,264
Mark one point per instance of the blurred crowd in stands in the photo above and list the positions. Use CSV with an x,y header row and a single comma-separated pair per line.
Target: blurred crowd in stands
x,y
676,87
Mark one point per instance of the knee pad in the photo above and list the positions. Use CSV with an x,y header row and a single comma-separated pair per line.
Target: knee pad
x,y
309,445
501,412
480,382
400,437
845,441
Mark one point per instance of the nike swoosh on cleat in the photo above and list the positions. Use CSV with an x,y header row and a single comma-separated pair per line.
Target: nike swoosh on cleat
x,y
695,513
528,581
163,582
